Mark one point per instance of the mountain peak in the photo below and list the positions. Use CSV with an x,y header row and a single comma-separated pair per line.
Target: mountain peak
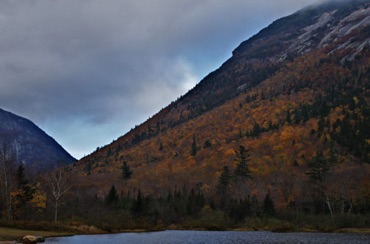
x,y
31,145
308,29
286,93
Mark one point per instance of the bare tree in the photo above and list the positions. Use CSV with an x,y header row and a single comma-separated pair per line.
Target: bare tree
x,y
59,187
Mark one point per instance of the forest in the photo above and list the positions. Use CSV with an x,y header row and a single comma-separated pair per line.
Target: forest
x,y
291,153
260,144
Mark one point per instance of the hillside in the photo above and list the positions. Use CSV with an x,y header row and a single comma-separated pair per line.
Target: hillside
x,y
30,145
295,93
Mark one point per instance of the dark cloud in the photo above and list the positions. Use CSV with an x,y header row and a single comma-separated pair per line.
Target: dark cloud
x,y
87,71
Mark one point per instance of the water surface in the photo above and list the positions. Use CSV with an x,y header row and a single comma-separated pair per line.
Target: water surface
x,y
214,237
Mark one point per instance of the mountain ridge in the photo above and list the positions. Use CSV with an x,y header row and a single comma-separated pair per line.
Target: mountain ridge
x,y
32,147
282,97
269,68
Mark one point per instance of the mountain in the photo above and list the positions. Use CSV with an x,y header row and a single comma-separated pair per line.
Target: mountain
x,y
295,93
30,145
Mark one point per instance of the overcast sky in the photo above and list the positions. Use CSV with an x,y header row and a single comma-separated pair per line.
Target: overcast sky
x,y
87,71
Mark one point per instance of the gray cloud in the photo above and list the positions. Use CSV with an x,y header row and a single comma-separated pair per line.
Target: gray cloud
x,y
87,71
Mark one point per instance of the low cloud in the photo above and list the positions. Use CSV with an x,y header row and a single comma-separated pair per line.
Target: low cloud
x,y
99,67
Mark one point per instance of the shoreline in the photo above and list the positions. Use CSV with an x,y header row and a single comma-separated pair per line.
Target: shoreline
x,y
51,234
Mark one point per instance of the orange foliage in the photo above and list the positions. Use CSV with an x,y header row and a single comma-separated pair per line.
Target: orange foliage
x,y
272,153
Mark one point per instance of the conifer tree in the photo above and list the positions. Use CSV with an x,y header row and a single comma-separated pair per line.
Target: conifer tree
x,y
333,157
126,171
297,116
256,130
224,180
138,207
21,178
288,117
194,148
318,169
304,112
112,197
207,144
268,206
242,171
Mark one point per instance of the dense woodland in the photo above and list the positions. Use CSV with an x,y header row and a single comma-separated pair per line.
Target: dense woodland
x,y
295,144
291,146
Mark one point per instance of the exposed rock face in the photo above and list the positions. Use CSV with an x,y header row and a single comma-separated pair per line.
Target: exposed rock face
x,y
335,25
311,28
322,34
30,145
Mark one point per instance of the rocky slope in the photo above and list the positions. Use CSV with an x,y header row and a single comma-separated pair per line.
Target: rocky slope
x,y
30,145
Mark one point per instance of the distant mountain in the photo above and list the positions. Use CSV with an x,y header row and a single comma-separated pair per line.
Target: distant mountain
x,y
297,90
30,145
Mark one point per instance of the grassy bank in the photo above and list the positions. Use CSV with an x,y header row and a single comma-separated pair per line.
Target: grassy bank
x,y
284,222
11,234
16,230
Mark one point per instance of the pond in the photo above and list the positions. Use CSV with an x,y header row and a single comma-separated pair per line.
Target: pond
x,y
177,236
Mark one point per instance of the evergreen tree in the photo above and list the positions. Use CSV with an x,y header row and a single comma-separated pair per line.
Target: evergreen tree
x,y
305,115
263,96
318,168
239,210
224,180
256,130
254,206
268,206
88,168
112,197
321,125
194,148
333,158
297,116
207,144
138,206
21,178
288,117
270,126
126,171
240,134
24,193
242,171
195,202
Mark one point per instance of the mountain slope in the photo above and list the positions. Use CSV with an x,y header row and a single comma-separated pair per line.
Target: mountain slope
x,y
298,88
31,146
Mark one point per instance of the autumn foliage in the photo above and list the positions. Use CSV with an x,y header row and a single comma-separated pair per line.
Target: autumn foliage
x,y
298,108
314,103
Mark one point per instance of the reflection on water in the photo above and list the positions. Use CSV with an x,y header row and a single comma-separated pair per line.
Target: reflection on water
x,y
174,236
